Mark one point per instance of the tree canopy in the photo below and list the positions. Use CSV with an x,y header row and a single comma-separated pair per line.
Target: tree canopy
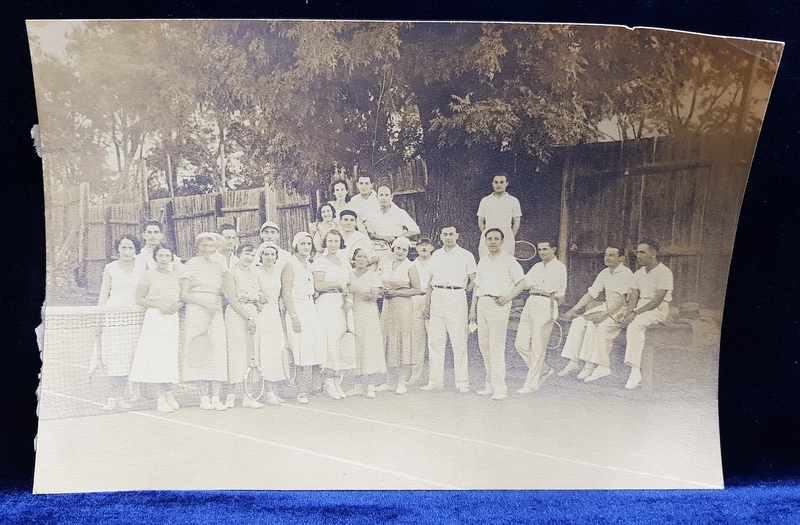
x,y
235,104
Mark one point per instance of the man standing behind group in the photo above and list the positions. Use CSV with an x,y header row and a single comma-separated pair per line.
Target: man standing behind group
x,y
227,240
499,210
153,235
390,221
615,281
270,233
547,284
452,273
364,203
498,273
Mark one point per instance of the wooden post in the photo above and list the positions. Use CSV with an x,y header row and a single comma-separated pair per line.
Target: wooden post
x,y
563,226
83,190
109,233
169,177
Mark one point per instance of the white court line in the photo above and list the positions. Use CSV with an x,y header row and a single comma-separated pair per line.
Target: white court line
x,y
509,448
275,444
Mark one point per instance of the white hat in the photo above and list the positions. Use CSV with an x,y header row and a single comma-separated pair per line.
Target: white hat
x,y
269,224
401,241
298,236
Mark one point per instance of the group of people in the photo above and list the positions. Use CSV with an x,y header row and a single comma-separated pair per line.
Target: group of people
x,y
352,273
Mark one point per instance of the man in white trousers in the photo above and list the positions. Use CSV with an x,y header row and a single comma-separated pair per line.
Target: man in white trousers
x,y
452,274
615,281
546,283
497,274
499,210
647,304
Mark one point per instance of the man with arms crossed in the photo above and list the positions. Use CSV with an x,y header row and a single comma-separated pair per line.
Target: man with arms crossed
x,y
497,274
499,210
547,284
648,304
452,273
616,281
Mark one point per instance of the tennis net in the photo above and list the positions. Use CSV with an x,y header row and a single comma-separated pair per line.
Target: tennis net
x,y
75,381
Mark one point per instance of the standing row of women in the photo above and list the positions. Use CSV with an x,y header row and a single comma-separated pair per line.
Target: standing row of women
x,y
256,310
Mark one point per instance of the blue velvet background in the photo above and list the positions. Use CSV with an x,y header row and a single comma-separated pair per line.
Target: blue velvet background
x,y
759,370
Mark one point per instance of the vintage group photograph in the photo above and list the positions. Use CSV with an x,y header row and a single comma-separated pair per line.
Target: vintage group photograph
x,y
347,255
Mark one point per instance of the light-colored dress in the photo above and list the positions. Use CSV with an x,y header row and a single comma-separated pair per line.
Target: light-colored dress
x,y
240,342
308,348
397,317
156,357
271,340
205,277
330,310
119,334
370,358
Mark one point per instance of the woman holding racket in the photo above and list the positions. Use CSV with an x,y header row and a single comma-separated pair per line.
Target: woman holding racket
x,y
297,290
156,359
118,338
331,275
366,287
241,326
205,358
270,327
400,281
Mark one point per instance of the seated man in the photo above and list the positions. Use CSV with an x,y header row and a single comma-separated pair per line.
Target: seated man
x,y
648,304
615,281
388,223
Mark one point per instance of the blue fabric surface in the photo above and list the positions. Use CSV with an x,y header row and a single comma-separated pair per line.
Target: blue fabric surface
x,y
773,502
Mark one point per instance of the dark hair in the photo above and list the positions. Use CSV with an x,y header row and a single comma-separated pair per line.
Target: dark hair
x,y
365,176
424,240
498,230
619,247
346,187
357,251
131,237
448,226
336,232
500,174
348,211
385,186
244,246
328,204
163,246
553,244
145,224
654,245
224,227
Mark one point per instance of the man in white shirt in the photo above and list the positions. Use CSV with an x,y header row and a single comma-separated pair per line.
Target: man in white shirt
x,y
390,221
547,284
615,281
499,210
153,235
452,274
227,240
647,304
353,240
497,274
364,203
270,232
420,341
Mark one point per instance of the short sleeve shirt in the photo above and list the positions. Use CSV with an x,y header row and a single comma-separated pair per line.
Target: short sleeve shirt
x,y
498,212
552,278
394,222
451,268
648,283
497,276
620,281
364,208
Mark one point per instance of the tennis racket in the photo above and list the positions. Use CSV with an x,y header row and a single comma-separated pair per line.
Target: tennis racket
x,y
254,383
556,335
289,368
200,349
347,343
615,303
524,250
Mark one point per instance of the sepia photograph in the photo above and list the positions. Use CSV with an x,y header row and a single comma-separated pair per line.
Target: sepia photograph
x,y
349,255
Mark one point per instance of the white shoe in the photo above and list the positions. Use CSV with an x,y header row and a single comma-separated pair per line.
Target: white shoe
x,y
205,403
499,396
587,371
302,399
544,377
250,403
337,383
524,390
401,389
273,399
216,404
429,387
382,387
230,401
163,406
486,391
370,391
124,405
634,379
330,389
599,373
357,390
171,401
572,366
111,404
463,390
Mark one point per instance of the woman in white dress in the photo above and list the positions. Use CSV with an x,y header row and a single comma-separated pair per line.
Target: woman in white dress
x,y
201,290
118,336
241,287
270,321
366,287
400,282
331,275
297,290
156,359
